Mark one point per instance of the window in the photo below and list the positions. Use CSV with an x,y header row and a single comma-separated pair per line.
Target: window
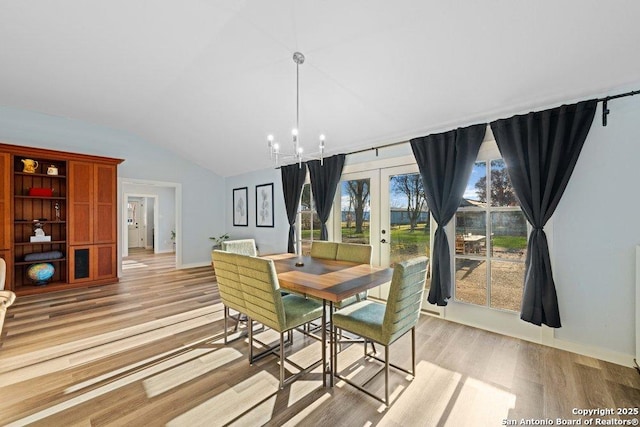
x,y
491,240
309,223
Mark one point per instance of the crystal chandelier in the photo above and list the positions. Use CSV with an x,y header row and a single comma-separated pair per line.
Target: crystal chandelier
x,y
275,151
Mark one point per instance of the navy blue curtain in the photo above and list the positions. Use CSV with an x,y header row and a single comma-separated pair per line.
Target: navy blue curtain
x,y
293,177
324,180
445,161
540,150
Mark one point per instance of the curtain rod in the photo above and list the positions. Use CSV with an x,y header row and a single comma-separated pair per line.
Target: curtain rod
x,y
605,113
606,99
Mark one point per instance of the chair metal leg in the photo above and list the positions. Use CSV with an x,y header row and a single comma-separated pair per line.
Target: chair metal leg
x,y
250,341
282,360
386,375
226,314
413,350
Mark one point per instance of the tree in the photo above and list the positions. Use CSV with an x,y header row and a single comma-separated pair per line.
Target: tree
x,y
502,193
411,186
358,190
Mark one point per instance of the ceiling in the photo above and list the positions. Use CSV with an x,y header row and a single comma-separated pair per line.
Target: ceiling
x,y
210,79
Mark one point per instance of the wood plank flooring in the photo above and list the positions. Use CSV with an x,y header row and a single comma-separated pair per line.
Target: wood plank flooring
x,y
149,351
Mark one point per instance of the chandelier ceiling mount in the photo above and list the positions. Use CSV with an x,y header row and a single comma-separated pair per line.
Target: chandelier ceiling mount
x,y
277,155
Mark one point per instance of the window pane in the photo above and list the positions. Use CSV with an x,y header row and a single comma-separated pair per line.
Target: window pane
x,y
310,230
306,203
471,232
356,209
409,218
509,235
507,279
471,281
502,193
476,192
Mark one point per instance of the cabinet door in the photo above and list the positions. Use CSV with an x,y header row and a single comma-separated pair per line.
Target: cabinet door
x,y
5,201
80,202
92,263
105,212
105,263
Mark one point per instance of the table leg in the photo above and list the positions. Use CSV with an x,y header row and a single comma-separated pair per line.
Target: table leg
x,y
332,344
324,343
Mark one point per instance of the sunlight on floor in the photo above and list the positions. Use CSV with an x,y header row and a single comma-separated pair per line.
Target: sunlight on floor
x,y
256,394
189,369
452,400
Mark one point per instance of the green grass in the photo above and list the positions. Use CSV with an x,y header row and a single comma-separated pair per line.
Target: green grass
x,y
510,242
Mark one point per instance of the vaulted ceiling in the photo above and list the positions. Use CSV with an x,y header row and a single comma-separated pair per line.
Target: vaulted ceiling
x,y
210,79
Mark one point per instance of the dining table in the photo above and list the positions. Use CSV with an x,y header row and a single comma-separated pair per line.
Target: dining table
x,y
331,281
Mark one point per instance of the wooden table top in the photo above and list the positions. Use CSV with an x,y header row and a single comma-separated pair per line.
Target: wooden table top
x,y
328,279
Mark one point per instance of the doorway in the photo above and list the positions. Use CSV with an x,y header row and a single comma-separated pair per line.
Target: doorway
x,y
157,214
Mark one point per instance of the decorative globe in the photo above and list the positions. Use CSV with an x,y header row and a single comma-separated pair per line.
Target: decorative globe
x,y
41,273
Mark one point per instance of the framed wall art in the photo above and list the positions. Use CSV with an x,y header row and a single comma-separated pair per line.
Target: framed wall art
x,y
264,205
240,207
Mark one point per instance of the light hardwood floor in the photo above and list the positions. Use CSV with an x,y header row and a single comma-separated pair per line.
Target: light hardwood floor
x,y
148,351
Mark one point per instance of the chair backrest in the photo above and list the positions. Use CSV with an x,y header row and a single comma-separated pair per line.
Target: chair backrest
x,y
6,299
3,273
405,297
325,250
225,266
261,291
354,253
243,247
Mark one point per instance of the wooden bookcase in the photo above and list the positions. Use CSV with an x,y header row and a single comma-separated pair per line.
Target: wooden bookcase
x,y
80,213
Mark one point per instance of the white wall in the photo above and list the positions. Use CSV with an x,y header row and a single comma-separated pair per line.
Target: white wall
x,y
596,230
268,240
202,190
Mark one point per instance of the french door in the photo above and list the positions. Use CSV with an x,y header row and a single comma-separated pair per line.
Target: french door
x,y
384,207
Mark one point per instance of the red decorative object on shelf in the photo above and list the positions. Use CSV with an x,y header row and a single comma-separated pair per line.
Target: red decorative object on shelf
x,y
43,192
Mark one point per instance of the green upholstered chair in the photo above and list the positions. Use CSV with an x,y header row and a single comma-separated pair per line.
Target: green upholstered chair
x,y
385,323
265,304
243,247
325,250
225,266
353,252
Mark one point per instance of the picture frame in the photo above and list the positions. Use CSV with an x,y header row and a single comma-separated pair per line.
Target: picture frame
x,y
240,207
264,205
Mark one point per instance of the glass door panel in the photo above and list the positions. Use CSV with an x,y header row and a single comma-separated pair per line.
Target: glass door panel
x,y
356,211
406,229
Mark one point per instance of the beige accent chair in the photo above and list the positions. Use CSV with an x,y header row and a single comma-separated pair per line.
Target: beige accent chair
x,y
225,266
385,323
6,297
3,273
283,314
243,247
